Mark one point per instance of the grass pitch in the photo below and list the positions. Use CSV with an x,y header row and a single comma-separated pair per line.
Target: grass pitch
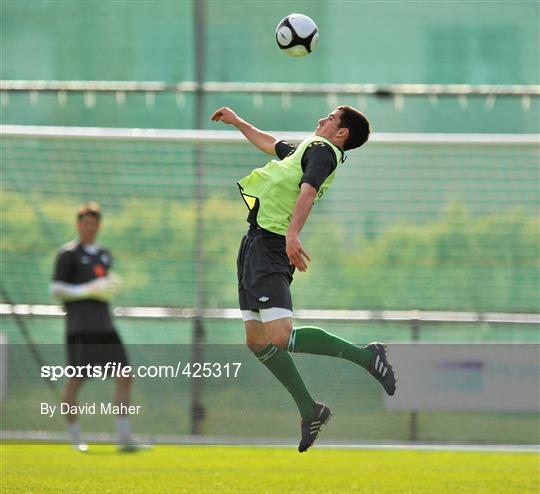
x,y
55,469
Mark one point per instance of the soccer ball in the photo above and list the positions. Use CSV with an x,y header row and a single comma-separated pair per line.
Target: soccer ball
x,y
297,35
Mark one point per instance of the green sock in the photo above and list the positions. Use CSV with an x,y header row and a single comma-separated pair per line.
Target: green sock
x,y
281,364
309,339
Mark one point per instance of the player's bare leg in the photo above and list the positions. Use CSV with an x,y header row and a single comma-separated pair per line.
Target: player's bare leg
x,y
123,422
256,335
69,396
122,390
279,331
126,443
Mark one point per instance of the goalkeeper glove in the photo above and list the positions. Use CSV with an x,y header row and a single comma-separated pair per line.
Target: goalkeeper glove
x,y
103,289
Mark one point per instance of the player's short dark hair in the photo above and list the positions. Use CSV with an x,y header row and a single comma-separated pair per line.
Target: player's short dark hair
x,y
89,209
358,125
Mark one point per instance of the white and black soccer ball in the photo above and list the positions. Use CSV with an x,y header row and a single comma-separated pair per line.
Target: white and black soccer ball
x,y
297,35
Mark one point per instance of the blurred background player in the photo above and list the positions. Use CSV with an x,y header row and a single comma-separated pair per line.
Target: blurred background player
x,y
280,197
83,282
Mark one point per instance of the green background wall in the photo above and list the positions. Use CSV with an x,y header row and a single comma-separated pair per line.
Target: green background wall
x,y
469,42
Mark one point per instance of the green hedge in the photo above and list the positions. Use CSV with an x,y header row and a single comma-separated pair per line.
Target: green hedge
x,y
456,262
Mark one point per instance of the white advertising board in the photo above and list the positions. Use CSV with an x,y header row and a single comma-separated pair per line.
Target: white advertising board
x,y
472,377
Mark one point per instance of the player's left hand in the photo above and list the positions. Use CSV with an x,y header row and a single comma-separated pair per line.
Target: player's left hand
x,y
296,253
105,288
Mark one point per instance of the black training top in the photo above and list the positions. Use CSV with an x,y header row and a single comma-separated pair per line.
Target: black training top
x,y
75,264
318,162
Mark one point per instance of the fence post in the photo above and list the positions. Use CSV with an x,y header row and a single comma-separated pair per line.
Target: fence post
x,y
197,407
413,419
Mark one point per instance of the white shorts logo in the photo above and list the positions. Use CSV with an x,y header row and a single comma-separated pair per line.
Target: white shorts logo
x,y
264,299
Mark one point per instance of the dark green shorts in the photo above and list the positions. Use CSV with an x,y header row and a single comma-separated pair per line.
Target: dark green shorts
x,y
264,271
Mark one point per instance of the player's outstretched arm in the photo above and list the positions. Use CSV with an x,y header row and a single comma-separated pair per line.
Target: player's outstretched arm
x,y
264,141
102,289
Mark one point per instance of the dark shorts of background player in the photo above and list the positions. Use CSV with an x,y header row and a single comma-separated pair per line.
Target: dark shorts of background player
x,y
96,349
264,271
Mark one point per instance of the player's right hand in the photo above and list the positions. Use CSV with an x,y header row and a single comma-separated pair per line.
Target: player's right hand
x,y
225,115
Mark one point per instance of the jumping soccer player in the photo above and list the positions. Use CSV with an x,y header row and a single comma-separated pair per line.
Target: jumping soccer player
x,y
83,283
279,197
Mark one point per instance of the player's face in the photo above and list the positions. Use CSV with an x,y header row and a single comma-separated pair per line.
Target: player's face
x,y
329,126
88,227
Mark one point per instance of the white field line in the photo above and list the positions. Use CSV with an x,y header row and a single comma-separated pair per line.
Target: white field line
x,y
109,438
233,313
